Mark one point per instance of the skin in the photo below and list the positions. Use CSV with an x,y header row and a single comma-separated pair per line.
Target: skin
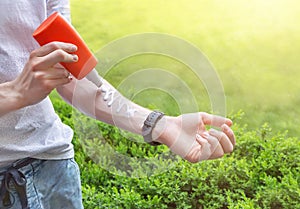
x,y
186,135
40,76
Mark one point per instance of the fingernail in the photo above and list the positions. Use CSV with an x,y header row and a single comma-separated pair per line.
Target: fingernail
x,y
75,57
229,122
224,127
198,136
74,48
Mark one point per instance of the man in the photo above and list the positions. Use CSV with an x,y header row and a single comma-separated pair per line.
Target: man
x,y
37,169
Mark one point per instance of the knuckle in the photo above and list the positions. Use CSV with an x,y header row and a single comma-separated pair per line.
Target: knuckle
x,y
61,55
202,114
33,54
38,76
47,86
65,81
54,45
214,141
223,136
34,65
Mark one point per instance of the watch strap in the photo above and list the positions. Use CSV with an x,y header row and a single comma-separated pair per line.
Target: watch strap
x,y
148,126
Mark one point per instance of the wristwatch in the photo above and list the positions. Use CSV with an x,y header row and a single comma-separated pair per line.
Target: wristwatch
x,y
148,126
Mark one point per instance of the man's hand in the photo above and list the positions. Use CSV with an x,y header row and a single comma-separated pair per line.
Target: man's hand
x,y
42,73
187,136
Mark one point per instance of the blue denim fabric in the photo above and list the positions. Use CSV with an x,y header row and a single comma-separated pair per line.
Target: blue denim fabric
x,y
51,184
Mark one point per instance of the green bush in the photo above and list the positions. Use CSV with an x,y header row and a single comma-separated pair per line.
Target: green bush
x,y
262,172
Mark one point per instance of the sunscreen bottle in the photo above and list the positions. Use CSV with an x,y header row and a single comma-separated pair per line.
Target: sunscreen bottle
x,y
57,28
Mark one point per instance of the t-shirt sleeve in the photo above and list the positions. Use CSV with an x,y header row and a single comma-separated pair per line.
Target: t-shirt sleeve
x,y
61,6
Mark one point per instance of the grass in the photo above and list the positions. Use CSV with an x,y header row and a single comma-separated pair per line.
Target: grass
x,y
254,46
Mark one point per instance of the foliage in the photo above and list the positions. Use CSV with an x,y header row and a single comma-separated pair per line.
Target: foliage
x,y
254,46
262,172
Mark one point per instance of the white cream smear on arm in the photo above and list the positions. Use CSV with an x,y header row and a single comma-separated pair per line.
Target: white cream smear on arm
x,y
110,97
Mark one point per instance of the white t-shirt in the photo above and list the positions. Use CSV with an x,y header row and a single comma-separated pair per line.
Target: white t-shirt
x,y
34,131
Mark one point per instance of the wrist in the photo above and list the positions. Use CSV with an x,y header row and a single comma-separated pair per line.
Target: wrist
x,y
11,96
148,126
165,130
16,96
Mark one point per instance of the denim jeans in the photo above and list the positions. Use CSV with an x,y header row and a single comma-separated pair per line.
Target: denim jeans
x,y
51,184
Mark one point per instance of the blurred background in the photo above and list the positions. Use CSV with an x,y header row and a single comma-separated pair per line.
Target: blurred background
x,y
254,47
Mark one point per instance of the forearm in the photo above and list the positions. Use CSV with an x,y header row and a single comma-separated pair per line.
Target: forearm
x,y
10,98
106,104
185,135
115,109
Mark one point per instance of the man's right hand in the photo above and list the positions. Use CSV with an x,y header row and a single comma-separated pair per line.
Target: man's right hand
x,y
42,72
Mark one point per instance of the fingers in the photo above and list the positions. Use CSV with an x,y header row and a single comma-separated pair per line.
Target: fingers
x,y
223,140
225,137
215,150
195,143
50,47
227,130
60,81
214,144
214,120
53,74
55,57
53,53
204,149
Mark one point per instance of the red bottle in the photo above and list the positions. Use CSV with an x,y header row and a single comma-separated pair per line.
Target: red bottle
x,y
56,28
